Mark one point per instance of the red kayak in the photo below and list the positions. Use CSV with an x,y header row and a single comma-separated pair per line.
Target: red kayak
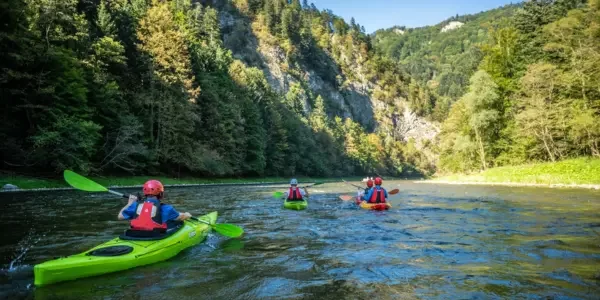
x,y
375,206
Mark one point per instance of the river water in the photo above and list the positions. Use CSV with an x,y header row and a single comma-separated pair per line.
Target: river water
x,y
437,242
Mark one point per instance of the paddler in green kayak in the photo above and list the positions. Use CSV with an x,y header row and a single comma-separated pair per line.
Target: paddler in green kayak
x,y
152,214
295,193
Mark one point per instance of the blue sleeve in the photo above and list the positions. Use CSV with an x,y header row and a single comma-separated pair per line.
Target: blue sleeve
x,y
368,196
129,212
168,213
385,191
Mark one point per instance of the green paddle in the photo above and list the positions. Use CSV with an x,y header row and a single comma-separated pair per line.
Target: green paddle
x,y
229,230
280,194
82,183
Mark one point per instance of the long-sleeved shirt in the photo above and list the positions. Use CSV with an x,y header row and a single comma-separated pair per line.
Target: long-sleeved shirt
x,y
362,193
368,196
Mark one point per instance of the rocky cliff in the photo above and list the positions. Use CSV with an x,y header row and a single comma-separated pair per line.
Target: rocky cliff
x,y
346,97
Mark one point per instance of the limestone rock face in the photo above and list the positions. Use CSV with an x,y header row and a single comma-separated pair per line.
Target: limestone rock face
x,y
347,98
452,25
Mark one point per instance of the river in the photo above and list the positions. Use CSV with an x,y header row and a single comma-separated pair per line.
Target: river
x,y
437,242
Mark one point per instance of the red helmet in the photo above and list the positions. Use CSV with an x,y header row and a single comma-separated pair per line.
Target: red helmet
x,y
378,181
369,183
153,188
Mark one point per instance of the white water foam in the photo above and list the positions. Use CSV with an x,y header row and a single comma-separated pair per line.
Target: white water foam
x,y
24,246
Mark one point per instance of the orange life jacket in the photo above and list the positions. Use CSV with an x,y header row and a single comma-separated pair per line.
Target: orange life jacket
x,y
148,217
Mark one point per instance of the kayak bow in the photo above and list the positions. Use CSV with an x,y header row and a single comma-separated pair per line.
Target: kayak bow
x,y
295,205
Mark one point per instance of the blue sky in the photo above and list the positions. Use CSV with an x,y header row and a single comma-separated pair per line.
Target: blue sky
x,y
377,14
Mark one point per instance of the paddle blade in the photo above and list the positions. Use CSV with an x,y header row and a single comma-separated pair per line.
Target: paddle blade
x,y
394,191
346,197
228,230
81,183
277,194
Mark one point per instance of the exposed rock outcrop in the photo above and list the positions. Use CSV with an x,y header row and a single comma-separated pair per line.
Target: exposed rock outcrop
x,y
452,25
350,99
9,187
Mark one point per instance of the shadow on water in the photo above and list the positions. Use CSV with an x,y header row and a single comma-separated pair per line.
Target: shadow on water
x,y
437,242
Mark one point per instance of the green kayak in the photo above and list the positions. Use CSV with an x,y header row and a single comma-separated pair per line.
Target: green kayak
x,y
296,205
124,252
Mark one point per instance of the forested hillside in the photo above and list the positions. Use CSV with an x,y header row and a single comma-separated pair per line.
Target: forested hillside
x,y
534,87
276,87
439,59
147,87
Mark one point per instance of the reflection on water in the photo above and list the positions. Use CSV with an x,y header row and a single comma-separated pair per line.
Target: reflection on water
x,y
438,242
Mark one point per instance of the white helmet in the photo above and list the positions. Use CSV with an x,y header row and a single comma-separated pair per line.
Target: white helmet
x,y
294,181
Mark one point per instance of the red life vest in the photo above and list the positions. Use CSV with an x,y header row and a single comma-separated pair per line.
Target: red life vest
x,y
378,196
294,194
148,217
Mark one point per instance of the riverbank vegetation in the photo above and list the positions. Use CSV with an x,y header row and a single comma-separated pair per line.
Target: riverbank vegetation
x,y
581,171
153,87
148,87
29,182
534,87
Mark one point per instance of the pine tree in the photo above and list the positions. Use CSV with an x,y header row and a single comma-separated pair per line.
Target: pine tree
x,y
318,117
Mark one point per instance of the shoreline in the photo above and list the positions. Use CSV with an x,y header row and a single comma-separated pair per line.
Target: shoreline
x,y
513,184
140,186
580,173
30,184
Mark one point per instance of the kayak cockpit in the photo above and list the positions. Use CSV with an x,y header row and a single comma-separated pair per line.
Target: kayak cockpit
x,y
139,235
111,251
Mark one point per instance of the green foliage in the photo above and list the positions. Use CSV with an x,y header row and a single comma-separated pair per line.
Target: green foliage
x,y
500,59
441,62
150,87
570,171
68,143
545,104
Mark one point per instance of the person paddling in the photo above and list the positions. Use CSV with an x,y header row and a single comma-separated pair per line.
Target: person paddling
x,y
295,193
152,214
377,194
361,194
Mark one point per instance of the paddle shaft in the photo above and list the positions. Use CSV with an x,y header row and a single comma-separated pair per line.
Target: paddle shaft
x,y
127,197
348,197
119,194
306,186
354,185
202,221
79,182
280,194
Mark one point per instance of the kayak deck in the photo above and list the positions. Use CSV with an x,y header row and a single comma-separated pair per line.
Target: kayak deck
x,y
375,206
139,253
295,205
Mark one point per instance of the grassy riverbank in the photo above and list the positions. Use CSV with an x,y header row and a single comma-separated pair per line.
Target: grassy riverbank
x,y
24,182
584,172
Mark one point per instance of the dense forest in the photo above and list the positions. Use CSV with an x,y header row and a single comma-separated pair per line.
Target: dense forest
x,y
533,85
147,87
183,87
440,61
